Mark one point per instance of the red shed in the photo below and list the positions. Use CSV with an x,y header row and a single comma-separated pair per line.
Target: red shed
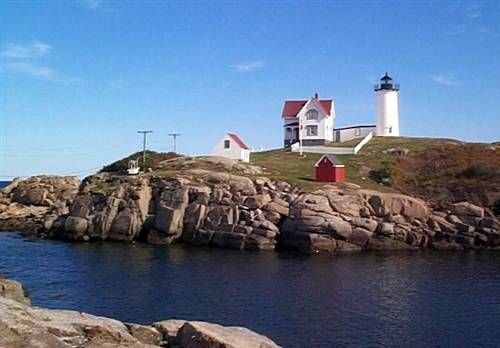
x,y
329,169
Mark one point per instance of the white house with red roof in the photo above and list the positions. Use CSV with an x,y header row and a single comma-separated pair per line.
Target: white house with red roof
x,y
232,146
312,119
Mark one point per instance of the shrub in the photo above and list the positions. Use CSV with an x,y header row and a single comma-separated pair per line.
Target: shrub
x,y
381,176
496,208
152,160
477,171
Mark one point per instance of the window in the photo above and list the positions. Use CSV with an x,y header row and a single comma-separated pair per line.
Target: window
x,y
289,130
311,130
312,115
357,132
390,129
226,144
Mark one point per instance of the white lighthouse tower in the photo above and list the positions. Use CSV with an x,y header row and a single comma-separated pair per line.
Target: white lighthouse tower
x,y
387,94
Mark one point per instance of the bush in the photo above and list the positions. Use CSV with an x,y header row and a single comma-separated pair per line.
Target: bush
x,y
381,176
477,171
152,160
496,208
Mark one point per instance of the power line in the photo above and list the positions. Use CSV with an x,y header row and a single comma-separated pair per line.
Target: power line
x,y
47,154
61,174
90,145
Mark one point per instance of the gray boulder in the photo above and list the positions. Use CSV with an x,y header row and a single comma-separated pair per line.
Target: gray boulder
x,y
467,209
200,334
13,290
75,227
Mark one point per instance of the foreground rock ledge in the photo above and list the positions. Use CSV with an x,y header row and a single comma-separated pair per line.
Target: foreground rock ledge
x,y
22,325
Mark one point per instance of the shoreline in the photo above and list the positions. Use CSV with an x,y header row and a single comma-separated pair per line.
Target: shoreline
x,y
279,250
218,209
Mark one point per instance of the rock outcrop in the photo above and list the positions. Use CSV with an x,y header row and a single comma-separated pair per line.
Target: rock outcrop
x,y
34,204
13,290
219,209
108,208
202,208
22,325
347,219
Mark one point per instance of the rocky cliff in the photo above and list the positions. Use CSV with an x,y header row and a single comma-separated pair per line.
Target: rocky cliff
x,y
22,325
248,212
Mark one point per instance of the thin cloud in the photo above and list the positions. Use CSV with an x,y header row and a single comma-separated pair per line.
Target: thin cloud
x,y
36,49
247,66
28,68
92,4
40,72
445,80
25,60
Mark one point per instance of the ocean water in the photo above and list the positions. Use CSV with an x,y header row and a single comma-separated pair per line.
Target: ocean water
x,y
4,183
396,299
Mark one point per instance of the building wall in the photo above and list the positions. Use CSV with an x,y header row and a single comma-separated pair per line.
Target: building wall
x,y
234,152
346,134
245,155
325,172
387,113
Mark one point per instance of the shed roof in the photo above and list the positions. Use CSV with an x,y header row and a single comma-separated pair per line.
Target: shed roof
x,y
333,160
238,140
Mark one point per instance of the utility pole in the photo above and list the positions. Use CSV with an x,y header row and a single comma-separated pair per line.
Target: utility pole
x,y
144,133
175,135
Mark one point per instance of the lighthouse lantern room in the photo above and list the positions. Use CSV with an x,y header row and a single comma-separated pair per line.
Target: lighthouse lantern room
x,y
387,94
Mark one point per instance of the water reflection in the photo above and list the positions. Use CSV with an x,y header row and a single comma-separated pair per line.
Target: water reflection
x,y
375,299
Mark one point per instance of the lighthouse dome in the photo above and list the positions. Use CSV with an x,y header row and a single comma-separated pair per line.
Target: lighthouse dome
x,y
386,82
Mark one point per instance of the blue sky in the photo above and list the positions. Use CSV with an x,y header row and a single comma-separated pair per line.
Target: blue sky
x,y
79,78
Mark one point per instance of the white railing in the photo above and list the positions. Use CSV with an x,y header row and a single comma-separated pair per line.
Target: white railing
x,y
363,142
334,150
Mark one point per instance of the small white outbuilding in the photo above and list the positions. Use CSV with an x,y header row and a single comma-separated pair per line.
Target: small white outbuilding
x,y
231,146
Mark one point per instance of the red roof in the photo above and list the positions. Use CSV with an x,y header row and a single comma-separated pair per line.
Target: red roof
x,y
238,141
332,159
293,107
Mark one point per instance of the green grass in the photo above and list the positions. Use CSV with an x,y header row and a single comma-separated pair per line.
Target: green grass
x,y
438,170
290,166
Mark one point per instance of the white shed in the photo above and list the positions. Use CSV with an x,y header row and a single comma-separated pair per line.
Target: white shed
x,y
231,146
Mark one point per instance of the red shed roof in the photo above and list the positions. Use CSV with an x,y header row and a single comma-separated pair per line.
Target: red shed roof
x,y
238,141
333,160
293,107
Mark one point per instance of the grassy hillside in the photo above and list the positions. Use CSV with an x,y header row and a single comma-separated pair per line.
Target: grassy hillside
x,y
438,170
152,160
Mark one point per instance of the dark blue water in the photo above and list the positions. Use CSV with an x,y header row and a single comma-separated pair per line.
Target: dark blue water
x,y
372,299
4,183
